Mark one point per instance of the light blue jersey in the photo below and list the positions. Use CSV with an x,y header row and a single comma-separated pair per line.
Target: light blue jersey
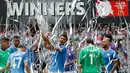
x,y
31,56
12,49
109,56
16,61
58,60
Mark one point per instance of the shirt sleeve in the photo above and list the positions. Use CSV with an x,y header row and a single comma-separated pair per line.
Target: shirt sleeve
x,y
9,52
63,49
81,57
10,49
102,62
9,59
115,56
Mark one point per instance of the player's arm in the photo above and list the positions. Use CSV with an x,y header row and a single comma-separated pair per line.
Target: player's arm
x,y
45,38
26,63
59,49
8,63
115,62
27,67
71,63
7,66
81,56
47,43
80,60
102,62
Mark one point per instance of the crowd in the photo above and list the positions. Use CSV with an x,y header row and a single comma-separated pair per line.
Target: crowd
x,y
99,53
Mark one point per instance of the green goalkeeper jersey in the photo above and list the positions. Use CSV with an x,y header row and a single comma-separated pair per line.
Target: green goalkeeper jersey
x,y
4,55
91,59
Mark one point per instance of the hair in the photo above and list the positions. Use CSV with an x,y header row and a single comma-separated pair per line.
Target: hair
x,y
16,36
90,41
109,36
21,46
5,38
65,35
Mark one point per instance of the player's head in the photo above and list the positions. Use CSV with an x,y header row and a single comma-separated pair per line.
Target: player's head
x,y
16,41
22,48
4,43
106,41
63,38
109,36
90,41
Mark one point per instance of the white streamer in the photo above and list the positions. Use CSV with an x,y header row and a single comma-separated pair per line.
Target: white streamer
x,y
73,4
57,23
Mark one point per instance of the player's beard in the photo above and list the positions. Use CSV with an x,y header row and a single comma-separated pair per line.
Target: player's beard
x,y
104,46
16,45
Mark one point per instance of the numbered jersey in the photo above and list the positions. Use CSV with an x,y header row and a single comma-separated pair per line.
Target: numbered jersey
x,y
16,61
91,59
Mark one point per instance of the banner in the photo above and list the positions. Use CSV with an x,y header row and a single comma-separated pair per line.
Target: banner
x,y
119,8
112,8
20,11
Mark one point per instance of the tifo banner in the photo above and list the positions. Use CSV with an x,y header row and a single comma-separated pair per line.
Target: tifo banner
x,y
112,8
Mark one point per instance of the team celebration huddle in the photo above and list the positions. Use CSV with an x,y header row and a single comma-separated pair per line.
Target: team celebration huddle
x,y
64,36
17,57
